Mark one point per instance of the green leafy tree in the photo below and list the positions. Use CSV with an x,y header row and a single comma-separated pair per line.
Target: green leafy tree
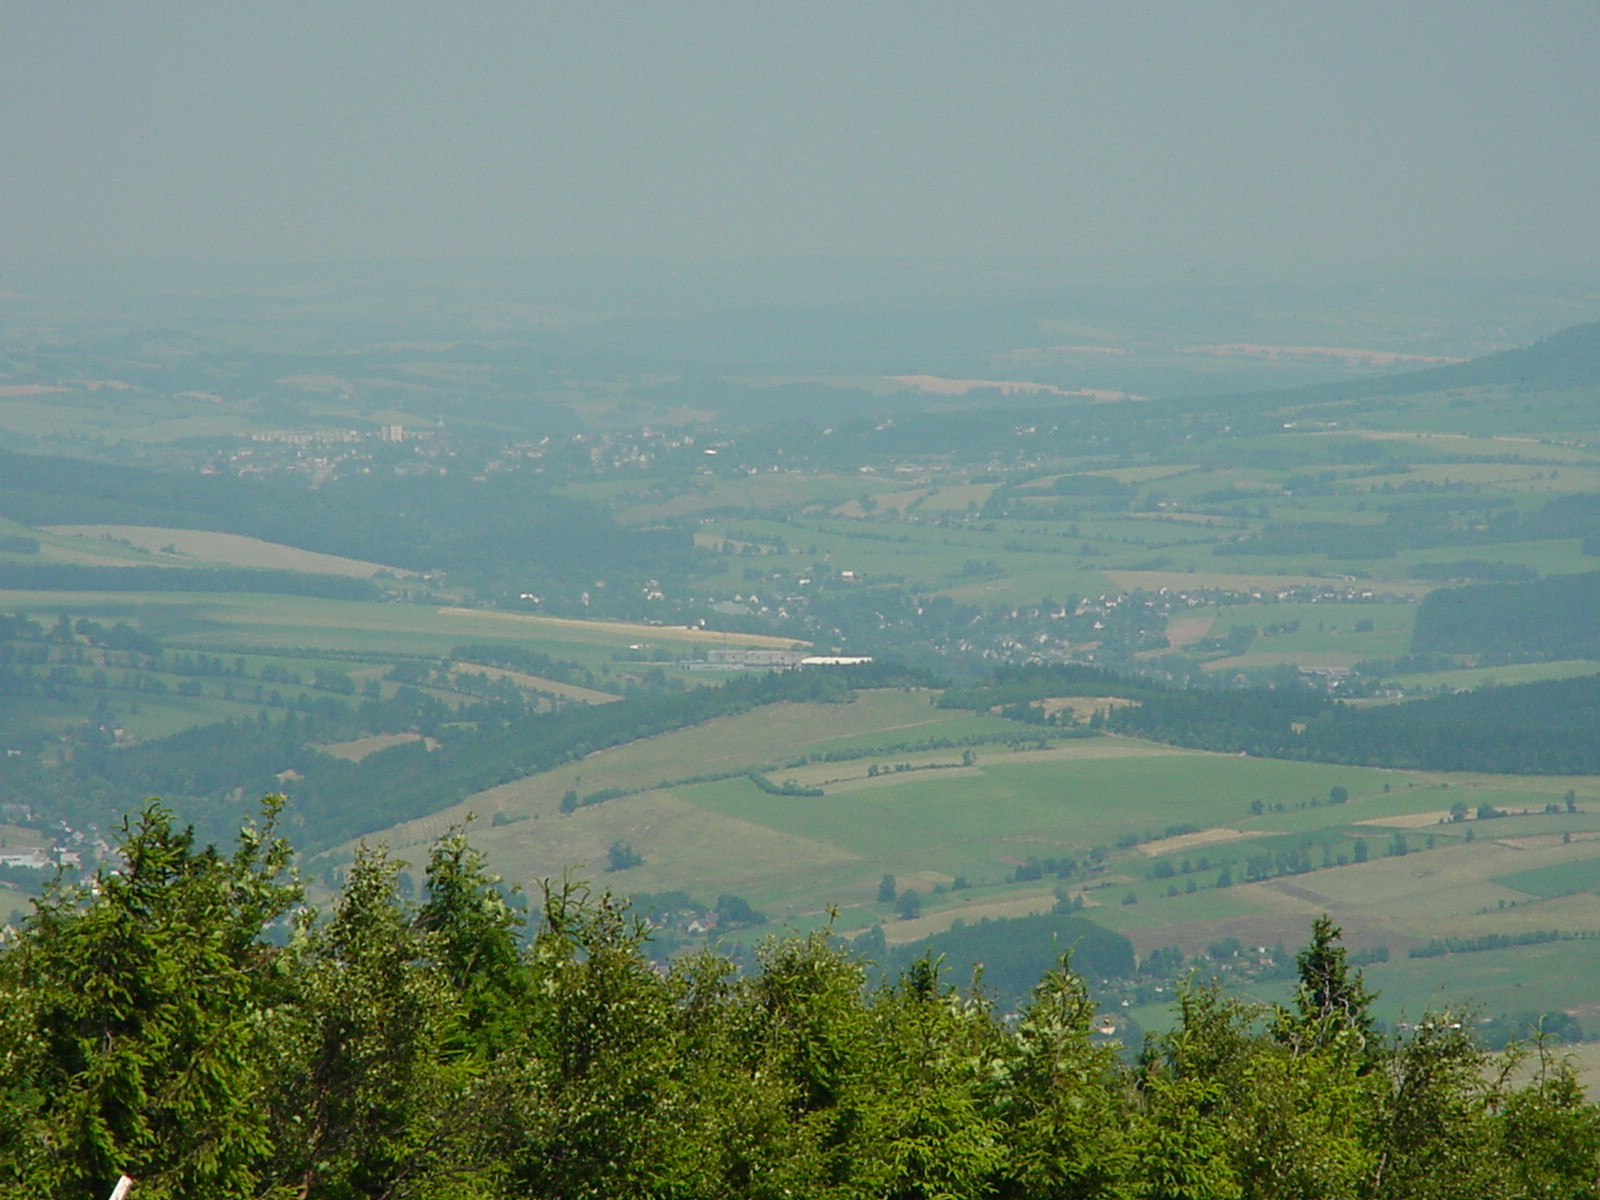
x,y
621,856
1332,1001
375,1097
596,1084
1061,1100
1430,1122
926,1132
475,939
133,1018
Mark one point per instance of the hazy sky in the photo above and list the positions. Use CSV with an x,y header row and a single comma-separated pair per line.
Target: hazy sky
x,y
1461,133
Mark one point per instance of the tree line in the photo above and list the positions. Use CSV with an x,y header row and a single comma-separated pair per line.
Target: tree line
x,y
187,1021
1544,728
1557,617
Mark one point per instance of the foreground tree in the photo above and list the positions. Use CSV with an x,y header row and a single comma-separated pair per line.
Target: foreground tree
x,y
373,1096
162,1022
128,1013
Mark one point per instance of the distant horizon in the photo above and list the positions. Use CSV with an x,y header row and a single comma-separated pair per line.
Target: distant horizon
x,y
1462,134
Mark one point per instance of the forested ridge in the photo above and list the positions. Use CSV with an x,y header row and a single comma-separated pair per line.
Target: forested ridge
x,y
1543,728
186,1021
511,530
1558,617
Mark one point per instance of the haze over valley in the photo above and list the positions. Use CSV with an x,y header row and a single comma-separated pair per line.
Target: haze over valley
x,y
827,508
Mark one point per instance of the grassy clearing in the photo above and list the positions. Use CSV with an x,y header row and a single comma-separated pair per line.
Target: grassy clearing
x,y
728,744
981,820
976,821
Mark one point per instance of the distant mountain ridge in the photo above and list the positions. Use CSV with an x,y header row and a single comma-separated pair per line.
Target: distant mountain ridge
x,y
1569,358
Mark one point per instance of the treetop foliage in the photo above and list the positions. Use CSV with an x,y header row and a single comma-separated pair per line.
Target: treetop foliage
x,y
189,1021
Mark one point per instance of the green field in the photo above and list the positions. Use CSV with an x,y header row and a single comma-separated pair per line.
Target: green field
x,y
935,819
1559,879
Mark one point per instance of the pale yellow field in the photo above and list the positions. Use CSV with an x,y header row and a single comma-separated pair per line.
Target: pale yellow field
x,y
1145,474
1188,841
853,776
230,549
1409,820
659,633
